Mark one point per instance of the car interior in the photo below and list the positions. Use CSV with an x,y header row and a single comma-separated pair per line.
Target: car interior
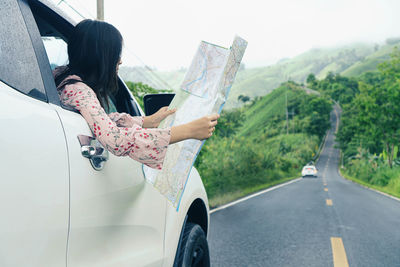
x,y
54,31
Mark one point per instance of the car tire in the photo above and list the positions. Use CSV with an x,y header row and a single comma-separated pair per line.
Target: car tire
x,y
193,249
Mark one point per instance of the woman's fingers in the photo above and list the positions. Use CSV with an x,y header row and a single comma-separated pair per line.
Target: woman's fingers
x,y
213,123
165,112
202,128
213,117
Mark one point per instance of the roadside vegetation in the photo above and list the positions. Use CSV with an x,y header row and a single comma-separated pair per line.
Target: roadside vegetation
x,y
369,133
254,147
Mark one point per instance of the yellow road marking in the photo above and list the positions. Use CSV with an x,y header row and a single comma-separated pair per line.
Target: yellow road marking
x,y
325,184
339,253
326,189
329,202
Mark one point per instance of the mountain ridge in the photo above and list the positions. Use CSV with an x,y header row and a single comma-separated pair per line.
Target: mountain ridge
x,y
348,60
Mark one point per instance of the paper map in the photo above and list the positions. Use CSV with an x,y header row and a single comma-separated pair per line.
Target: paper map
x,y
204,91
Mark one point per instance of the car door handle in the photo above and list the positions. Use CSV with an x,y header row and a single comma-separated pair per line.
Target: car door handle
x,y
92,149
93,152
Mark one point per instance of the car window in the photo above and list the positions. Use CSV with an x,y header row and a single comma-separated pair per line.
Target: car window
x,y
56,49
57,53
19,68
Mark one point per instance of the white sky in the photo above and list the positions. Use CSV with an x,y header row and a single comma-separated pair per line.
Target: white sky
x,y
165,33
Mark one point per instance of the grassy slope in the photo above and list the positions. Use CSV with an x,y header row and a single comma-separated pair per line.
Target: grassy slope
x,y
235,177
370,62
269,106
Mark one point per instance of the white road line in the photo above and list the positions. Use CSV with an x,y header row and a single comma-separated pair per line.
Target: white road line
x,y
254,195
372,189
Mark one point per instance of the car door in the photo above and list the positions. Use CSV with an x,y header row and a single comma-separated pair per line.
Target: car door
x,y
33,160
116,218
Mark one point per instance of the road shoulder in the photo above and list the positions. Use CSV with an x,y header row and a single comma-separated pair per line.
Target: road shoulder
x,y
367,186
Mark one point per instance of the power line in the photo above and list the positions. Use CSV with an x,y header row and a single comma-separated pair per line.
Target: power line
x,y
85,9
70,6
153,83
164,83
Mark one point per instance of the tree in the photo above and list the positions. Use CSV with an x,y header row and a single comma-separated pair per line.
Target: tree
x,y
387,98
318,108
377,107
311,80
243,98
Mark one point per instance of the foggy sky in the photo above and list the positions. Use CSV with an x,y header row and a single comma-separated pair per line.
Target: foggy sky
x,y
165,33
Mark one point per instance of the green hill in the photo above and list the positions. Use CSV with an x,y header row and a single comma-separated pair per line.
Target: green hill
x,y
261,81
370,62
349,60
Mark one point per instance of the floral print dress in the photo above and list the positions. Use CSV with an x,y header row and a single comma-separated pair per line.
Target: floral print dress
x,y
119,133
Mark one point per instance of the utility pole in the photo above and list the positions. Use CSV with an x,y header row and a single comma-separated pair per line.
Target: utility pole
x,y
287,116
100,9
292,114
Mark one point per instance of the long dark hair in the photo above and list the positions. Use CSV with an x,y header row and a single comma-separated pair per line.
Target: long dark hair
x,y
94,50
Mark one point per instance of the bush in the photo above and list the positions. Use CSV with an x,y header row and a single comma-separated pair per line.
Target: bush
x,y
375,172
234,164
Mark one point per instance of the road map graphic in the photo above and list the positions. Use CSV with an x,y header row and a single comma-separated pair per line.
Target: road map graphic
x,y
204,91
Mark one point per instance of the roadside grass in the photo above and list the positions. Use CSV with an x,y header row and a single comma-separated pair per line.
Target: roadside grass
x,y
222,199
234,167
392,188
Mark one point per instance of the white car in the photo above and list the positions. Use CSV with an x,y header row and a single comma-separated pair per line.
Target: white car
x,y
60,205
309,170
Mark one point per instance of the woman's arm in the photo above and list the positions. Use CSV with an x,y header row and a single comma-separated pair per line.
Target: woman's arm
x,y
147,146
199,129
152,121
126,120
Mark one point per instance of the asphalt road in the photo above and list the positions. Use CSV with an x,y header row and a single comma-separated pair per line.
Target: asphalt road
x,y
324,221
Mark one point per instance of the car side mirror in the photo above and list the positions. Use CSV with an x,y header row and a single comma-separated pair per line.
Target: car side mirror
x,y
153,102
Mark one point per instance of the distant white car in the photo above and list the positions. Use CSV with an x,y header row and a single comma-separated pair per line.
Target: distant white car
x,y
309,170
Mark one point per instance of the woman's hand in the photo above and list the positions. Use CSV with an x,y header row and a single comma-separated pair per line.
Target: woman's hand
x,y
199,129
154,120
204,127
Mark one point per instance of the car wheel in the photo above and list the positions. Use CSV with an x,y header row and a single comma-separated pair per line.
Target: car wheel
x,y
193,249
